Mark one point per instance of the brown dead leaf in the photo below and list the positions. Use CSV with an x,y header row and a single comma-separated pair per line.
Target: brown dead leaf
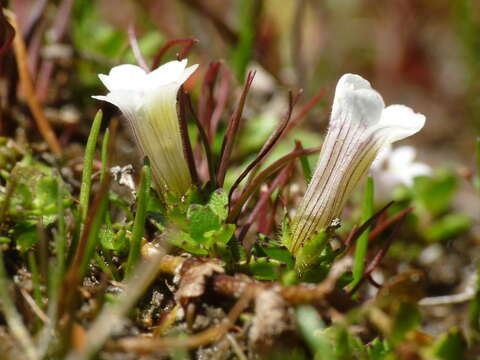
x,y
194,276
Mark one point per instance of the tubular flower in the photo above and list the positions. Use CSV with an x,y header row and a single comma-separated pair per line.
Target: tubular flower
x,y
149,102
360,126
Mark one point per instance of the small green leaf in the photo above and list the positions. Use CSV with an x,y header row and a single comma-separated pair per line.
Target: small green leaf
x,y
435,193
450,346
139,222
285,238
311,252
362,242
477,176
46,194
312,330
264,269
221,235
86,186
219,204
407,318
280,254
448,227
109,240
201,219
25,235
184,241
5,240
378,349
347,346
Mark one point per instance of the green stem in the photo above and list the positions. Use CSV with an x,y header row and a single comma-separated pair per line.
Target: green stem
x,y
86,186
33,267
139,222
362,242
104,155
12,317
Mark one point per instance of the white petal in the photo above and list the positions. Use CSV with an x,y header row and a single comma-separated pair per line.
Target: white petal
x,y
124,77
188,72
171,72
356,101
382,157
402,157
127,101
398,122
352,82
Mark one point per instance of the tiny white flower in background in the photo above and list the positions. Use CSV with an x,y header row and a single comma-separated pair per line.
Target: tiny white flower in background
x,y
395,167
360,127
149,102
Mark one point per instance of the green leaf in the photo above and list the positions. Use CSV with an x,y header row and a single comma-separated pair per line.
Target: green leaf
x,y
434,194
362,242
25,235
378,349
219,236
450,346
285,237
139,221
264,269
242,52
306,167
347,346
476,180
5,240
280,254
201,219
474,311
219,204
311,252
407,318
46,194
312,328
184,241
109,240
449,226
86,186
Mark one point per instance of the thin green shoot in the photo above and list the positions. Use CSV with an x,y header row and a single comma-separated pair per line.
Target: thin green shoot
x,y
60,236
86,186
12,317
477,176
93,234
311,325
306,167
139,222
104,154
243,51
33,267
362,242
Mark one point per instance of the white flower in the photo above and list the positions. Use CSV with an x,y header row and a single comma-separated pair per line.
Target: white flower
x,y
396,167
148,101
360,126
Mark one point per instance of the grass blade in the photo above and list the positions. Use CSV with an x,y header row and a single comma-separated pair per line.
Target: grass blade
x,y
249,12
139,222
13,318
477,176
310,325
362,242
86,186
305,163
104,154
